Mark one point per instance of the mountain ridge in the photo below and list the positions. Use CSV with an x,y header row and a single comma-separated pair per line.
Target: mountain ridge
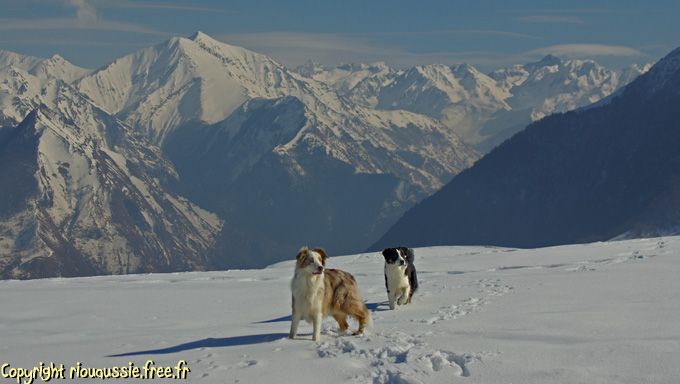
x,y
251,142
608,171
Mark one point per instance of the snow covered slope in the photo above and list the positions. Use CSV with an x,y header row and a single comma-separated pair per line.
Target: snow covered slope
x,y
360,83
27,81
85,194
55,67
460,96
595,313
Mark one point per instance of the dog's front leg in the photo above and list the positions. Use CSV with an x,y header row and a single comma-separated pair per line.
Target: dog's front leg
x,y
317,326
295,321
392,297
404,296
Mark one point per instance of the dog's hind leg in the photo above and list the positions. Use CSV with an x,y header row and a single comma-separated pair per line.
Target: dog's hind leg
x,y
295,321
342,321
364,318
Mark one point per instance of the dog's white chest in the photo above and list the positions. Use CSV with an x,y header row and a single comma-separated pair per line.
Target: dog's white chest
x,y
307,295
396,277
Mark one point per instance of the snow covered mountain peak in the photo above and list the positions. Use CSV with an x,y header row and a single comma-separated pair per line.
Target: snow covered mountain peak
x,y
483,109
224,49
9,58
464,68
21,91
200,35
55,67
310,68
441,91
59,68
185,79
547,61
375,66
554,85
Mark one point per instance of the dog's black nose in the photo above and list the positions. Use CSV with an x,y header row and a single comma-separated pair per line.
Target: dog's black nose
x,y
320,269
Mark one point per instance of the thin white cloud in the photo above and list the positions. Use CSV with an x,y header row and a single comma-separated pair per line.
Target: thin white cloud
x,y
126,4
294,48
301,41
86,17
551,19
74,23
561,11
85,12
330,49
61,41
587,50
449,32
492,32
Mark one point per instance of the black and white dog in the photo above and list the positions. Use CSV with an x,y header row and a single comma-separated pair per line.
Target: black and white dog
x,y
401,280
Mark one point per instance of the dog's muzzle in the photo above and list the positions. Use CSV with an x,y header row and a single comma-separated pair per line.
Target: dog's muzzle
x,y
318,271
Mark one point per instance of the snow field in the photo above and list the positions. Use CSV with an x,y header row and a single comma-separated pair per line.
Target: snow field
x,y
595,313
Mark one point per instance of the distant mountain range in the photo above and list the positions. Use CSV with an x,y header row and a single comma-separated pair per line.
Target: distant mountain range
x,y
104,171
483,109
611,170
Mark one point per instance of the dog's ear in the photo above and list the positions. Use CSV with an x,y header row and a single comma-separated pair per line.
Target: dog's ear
x,y
323,254
384,252
407,253
302,253
410,256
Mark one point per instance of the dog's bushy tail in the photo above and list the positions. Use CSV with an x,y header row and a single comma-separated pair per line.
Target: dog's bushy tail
x,y
369,318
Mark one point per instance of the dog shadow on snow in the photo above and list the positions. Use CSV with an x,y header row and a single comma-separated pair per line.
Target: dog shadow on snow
x,y
235,340
373,307
210,343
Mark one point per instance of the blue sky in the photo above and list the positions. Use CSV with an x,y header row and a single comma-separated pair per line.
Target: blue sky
x,y
489,34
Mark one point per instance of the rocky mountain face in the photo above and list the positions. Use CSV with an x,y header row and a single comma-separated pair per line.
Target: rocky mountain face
x,y
27,81
610,170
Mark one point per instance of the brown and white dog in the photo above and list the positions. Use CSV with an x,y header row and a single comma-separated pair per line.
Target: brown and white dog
x,y
319,292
